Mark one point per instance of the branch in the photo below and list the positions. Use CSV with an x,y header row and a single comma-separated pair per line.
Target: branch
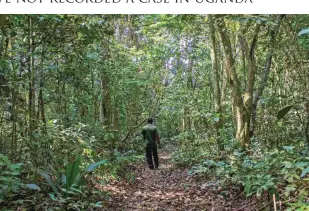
x,y
267,66
130,131
270,53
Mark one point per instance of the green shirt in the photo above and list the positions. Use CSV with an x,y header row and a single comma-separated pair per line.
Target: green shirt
x,y
149,134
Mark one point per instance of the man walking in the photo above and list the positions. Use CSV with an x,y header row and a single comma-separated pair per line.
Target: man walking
x,y
151,137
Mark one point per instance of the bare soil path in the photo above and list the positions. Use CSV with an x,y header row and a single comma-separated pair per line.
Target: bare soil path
x,y
171,188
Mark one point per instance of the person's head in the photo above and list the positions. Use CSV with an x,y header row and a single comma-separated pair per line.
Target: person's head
x,y
150,121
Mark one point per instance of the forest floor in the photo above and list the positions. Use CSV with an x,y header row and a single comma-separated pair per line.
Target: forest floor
x,y
168,188
172,188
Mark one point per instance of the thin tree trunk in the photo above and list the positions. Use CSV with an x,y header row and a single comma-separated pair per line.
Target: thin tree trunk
x,y
307,113
248,53
106,101
64,99
14,125
31,103
94,99
189,89
215,76
267,66
41,100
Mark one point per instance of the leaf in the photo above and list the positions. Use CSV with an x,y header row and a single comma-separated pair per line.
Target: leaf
x,y
303,31
283,112
301,164
98,204
52,196
5,179
288,148
33,187
71,172
15,166
305,171
269,184
96,165
63,179
3,189
247,187
48,180
287,164
15,173
216,119
75,189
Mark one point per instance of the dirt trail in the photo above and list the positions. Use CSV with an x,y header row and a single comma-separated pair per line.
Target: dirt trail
x,y
169,188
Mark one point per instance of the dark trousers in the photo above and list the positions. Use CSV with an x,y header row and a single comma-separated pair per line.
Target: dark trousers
x,y
152,151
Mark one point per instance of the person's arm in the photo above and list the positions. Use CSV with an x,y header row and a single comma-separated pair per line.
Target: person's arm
x,y
143,133
158,138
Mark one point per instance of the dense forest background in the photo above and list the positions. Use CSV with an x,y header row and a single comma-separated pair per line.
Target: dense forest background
x,y
229,92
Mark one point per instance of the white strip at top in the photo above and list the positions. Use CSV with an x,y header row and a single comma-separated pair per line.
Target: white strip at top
x,y
154,7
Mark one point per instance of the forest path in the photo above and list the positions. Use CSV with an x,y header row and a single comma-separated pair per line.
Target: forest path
x,y
168,188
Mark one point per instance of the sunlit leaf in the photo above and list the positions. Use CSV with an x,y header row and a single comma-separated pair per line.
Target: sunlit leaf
x,y
288,148
52,196
305,171
303,31
33,187
96,165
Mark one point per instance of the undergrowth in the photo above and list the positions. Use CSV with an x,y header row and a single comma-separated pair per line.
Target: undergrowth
x,y
282,172
61,175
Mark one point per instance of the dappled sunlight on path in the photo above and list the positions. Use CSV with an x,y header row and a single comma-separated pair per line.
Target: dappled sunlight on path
x,y
168,188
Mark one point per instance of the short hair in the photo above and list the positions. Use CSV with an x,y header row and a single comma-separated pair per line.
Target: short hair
x,y
150,120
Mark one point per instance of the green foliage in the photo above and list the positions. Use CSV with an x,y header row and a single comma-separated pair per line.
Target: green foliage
x,y
72,171
9,181
258,183
78,138
70,181
191,150
260,172
195,146
117,168
96,165
250,172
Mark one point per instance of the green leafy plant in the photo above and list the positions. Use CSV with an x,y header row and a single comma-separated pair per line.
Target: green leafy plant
x,y
70,181
9,177
258,183
9,181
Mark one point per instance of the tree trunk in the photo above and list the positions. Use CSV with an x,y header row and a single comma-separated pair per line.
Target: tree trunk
x,y
267,66
31,102
242,135
94,100
242,103
249,56
215,77
41,101
106,101
306,122
14,124
189,89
